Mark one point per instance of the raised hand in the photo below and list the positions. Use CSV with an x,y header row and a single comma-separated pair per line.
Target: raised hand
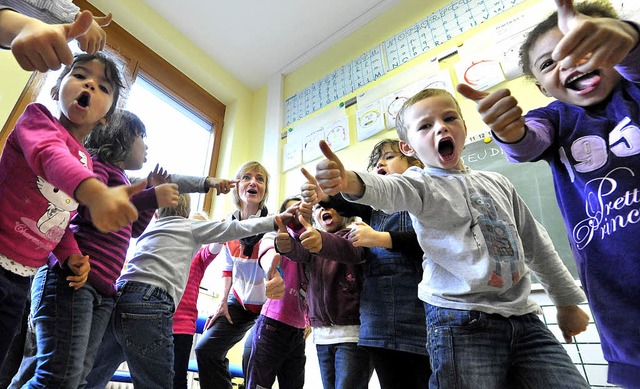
x,y
499,110
275,286
330,173
79,265
283,239
220,184
310,191
305,210
167,195
572,320
110,207
362,235
590,43
95,38
311,239
40,46
157,176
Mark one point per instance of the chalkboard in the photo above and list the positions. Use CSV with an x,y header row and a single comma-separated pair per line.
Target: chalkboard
x,y
534,184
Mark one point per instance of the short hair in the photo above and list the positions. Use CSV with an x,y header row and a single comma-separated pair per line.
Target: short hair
x,y
183,208
251,166
378,151
112,73
113,143
401,126
596,8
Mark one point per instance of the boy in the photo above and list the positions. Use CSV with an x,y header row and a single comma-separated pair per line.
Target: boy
x,y
471,225
589,136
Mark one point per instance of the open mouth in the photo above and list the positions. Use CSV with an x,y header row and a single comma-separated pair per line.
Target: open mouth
x,y
446,149
583,82
84,99
382,171
252,191
326,218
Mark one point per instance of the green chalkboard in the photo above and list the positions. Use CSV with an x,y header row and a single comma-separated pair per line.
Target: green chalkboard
x,y
534,184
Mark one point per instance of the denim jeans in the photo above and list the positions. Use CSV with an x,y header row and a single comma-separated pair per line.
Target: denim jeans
x,y
141,332
471,349
344,366
278,351
13,296
69,325
215,343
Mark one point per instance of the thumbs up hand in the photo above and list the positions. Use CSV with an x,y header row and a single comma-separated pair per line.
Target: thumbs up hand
x,y
332,176
283,240
499,110
275,286
311,239
310,191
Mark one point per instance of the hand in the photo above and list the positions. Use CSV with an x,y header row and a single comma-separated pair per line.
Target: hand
x,y
95,38
79,265
40,46
222,310
275,286
591,43
287,216
330,173
221,185
109,207
305,210
283,239
167,195
307,332
499,110
572,320
310,191
362,235
158,176
311,239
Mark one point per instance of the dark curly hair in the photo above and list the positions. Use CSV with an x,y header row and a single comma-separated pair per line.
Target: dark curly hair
x,y
113,143
380,147
597,8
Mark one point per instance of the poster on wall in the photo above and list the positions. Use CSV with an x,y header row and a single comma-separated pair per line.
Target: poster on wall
x,y
310,141
480,74
337,134
291,155
370,120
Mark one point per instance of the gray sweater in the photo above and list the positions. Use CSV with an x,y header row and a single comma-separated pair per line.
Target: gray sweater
x,y
164,251
479,240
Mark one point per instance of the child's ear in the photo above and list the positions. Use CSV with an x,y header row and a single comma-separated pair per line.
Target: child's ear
x,y
406,149
104,121
543,90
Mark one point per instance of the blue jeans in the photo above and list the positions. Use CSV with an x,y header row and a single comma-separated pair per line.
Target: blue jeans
x,y
140,332
215,343
13,296
69,325
471,349
277,351
344,366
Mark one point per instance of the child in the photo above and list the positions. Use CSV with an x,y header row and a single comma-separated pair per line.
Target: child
x,y
392,329
470,224
333,295
589,138
278,341
40,46
44,161
69,324
141,327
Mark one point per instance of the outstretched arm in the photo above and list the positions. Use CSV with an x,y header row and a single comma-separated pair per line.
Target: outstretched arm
x,y
332,176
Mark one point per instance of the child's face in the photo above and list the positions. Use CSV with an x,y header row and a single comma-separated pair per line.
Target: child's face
x,y
328,219
391,161
436,133
251,187
568,85
85,96
138,155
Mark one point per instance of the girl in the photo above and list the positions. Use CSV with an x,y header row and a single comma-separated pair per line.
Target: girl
x,y
69,324
44,172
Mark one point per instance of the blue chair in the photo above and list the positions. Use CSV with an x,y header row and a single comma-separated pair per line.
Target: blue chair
x,y
234,368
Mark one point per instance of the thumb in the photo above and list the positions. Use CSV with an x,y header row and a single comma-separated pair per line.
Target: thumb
x,y
304,223
136,188
281,226
566,15
276,262
310,178
79,26
329,154
103,21
470,93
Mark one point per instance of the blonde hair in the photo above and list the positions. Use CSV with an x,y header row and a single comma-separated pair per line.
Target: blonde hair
x,y
401,126
182,209
256,167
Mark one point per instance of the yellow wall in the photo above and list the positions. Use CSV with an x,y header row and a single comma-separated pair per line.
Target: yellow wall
x,y
12,82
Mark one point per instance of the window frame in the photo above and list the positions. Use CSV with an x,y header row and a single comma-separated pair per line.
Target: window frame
x,y
141,59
